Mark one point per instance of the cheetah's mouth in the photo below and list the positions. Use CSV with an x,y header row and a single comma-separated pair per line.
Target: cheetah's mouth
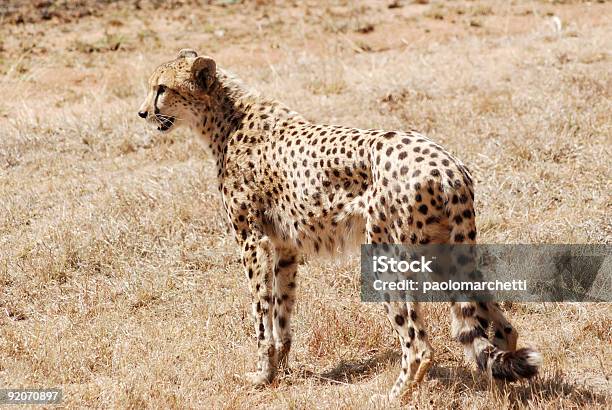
x,y
165,122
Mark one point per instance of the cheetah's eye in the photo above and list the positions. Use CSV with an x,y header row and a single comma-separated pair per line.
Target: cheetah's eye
x,y
161,89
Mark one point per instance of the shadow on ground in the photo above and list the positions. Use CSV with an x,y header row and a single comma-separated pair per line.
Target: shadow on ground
x,y
460,378
352,371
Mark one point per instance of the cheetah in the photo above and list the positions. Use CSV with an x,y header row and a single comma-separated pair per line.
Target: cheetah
x,y
292,188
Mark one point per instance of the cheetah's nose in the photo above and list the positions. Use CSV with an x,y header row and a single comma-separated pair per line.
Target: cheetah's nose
x,y
142,114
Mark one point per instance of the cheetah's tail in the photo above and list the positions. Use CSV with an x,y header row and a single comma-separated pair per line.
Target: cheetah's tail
x,y
468,330
504,365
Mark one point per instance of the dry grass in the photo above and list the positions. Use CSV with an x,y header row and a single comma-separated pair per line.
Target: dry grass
x,y
119,281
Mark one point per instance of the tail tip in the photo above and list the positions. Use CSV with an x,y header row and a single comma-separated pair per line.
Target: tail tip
x,y
533,358
520,364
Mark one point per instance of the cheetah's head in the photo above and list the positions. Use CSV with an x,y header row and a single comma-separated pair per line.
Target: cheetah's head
x,y
176,89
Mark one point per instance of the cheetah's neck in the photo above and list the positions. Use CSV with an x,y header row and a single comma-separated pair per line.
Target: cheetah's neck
x,y
233,108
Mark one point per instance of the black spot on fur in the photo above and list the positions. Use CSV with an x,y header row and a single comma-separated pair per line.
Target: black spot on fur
x,y
283,263
483,322
468,311
468,336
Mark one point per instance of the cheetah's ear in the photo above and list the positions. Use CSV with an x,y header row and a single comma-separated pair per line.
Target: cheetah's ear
x,y
204,70
187,52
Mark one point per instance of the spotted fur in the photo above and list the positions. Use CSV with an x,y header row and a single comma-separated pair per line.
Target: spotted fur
x,y
293,188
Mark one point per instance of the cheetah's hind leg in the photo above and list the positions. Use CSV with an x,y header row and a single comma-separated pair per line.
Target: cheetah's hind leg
x,y
407,320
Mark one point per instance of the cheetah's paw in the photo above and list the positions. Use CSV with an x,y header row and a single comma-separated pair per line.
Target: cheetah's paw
x,y
257,379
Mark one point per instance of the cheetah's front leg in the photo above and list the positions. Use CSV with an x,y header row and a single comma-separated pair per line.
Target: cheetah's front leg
x,y
259,260
284,299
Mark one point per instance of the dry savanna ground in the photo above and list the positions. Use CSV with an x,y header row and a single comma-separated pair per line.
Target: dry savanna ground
x,y
119,280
